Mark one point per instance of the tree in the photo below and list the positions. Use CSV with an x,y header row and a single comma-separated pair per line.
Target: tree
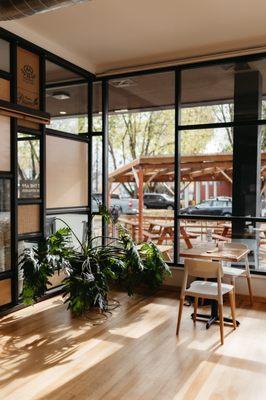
x,y
151,133
225,113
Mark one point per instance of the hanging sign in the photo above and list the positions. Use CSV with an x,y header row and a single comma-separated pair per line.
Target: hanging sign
x,y
29,188
28,79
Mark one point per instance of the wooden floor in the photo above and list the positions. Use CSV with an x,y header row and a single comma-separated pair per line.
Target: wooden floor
x,y
45,354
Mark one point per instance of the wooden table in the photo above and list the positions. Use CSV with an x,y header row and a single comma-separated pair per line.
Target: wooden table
x,y
211,253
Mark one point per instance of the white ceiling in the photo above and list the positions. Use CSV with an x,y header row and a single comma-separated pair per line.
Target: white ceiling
x,y
102,35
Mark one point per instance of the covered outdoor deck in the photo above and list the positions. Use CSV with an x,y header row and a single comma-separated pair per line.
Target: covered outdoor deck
x,y
158,224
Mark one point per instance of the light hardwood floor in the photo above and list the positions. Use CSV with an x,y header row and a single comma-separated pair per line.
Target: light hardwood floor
x,y
135,354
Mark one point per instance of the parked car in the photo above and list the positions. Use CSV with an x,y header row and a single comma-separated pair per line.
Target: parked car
x,y
125,205
158,200
217,206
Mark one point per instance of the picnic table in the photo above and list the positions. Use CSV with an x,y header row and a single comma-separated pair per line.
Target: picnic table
x,y
166,231
161,229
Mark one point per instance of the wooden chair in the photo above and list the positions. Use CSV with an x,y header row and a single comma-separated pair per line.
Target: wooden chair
x,y
205,289
234,273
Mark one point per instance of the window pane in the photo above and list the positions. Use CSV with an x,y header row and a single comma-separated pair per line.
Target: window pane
x,y
97,172
258,240
207,94
66,172
253,236
97,107
263,173
5,56
66,101
5,225
141,146
22,245
5,143
77,222
68,106
28,166
206,172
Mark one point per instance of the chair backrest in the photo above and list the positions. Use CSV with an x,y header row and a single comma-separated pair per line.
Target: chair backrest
x,y
203,269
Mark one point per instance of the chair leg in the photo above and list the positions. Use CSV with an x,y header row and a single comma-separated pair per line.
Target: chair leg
x,y
232,305
233,283
221,318
196,301
203,300
250,290
181,304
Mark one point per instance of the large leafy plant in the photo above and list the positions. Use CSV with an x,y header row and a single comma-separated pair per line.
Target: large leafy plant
x,y
40,262
90,268
155,268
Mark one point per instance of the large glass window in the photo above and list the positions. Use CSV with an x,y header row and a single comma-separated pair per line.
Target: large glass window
x,y
221,148
141,156
207,94
222,167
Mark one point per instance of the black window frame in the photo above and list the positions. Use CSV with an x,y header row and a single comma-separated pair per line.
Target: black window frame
x,y
178,130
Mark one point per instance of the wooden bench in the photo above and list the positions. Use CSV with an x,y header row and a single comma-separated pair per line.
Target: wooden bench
x,y
150,236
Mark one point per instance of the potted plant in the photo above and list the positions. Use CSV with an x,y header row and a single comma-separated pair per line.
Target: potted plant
x,y
91,268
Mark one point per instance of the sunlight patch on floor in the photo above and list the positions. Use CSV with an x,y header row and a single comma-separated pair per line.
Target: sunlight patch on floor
x,y
53,369
147,319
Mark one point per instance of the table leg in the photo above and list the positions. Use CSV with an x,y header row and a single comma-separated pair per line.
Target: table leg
x,y
213,317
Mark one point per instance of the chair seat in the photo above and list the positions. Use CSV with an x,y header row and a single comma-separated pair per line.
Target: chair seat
x,y
229,271
207,289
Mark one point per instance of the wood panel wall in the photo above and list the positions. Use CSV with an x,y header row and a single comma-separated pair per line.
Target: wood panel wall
x,y
28,218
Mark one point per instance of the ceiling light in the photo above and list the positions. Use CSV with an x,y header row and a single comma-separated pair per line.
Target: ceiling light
x,y
122,83
61,95
62,112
